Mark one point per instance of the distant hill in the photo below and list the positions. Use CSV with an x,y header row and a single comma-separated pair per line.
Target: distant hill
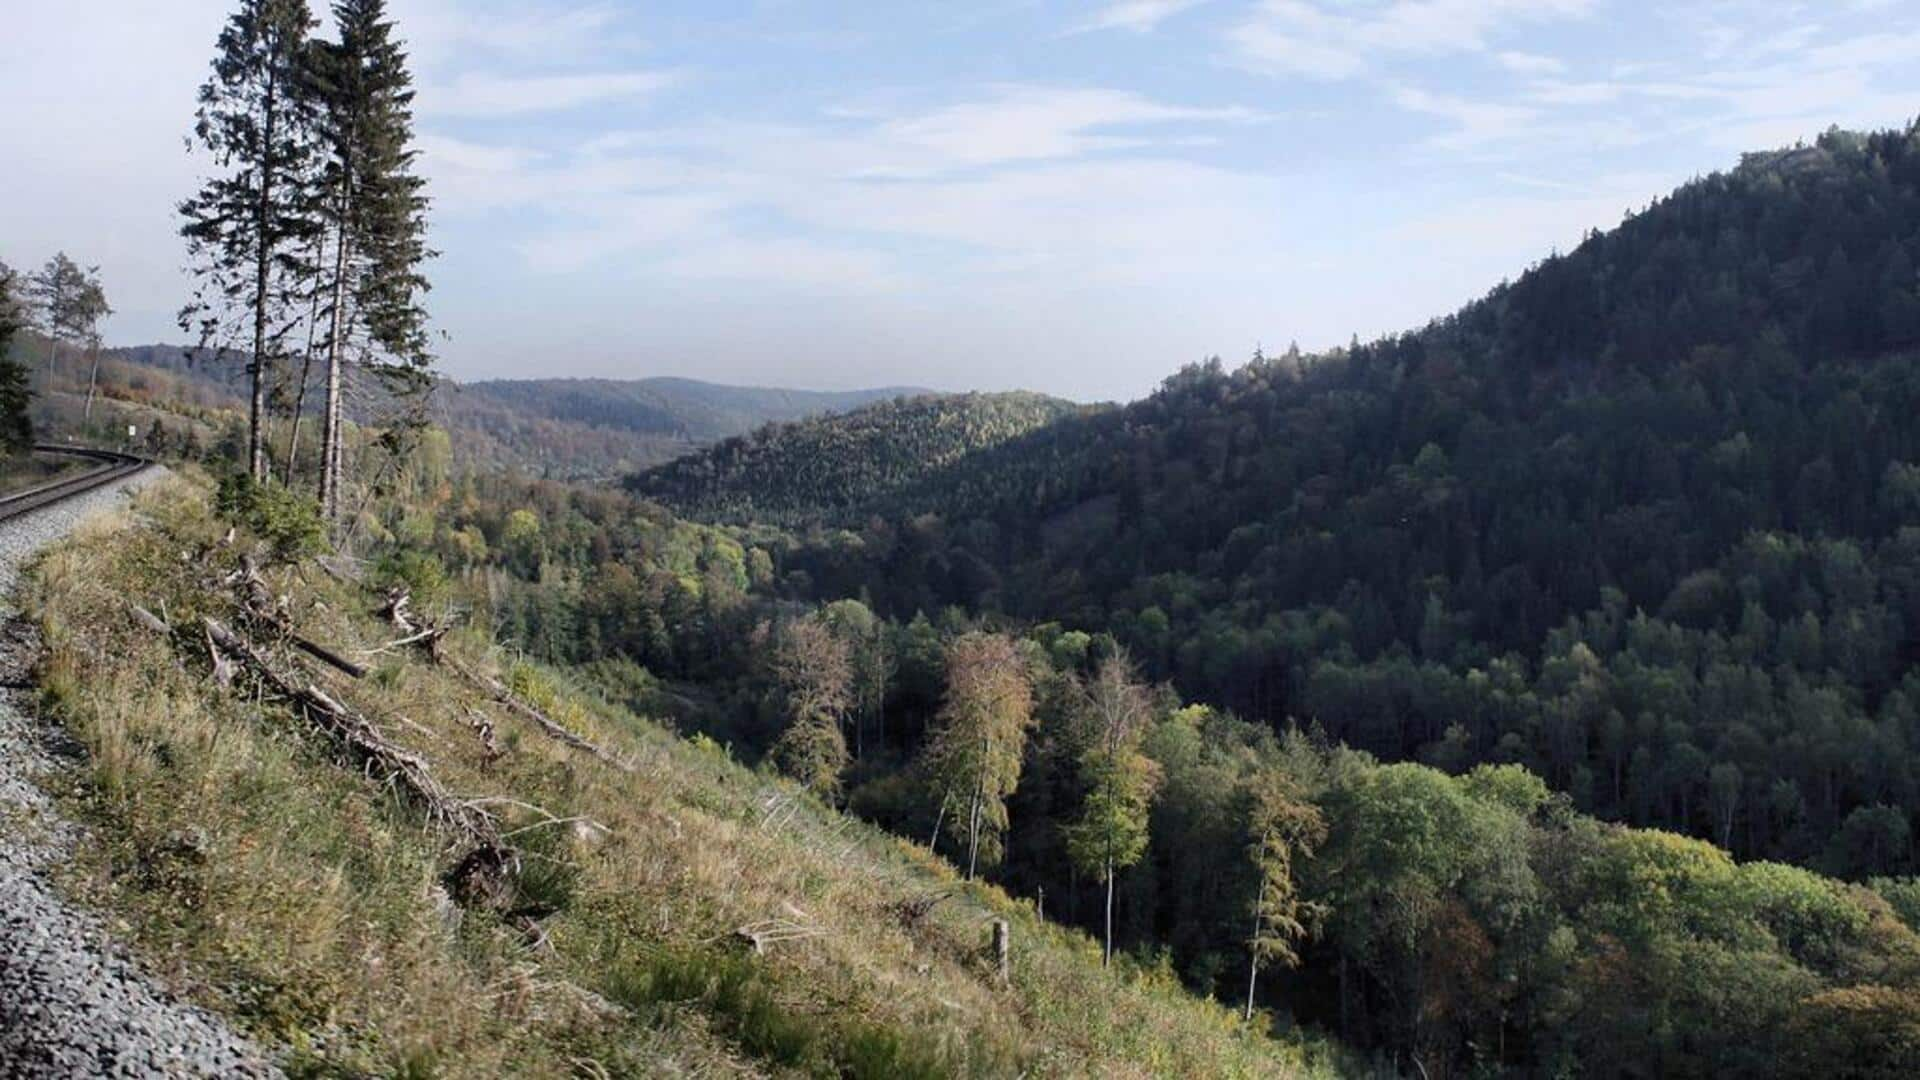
x,y
812,469
568,429
573,428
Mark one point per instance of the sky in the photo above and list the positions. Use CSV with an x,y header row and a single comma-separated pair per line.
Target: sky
x,y
1076,198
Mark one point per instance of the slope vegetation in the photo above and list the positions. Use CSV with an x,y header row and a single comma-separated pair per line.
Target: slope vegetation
x,y
1646,520
672,914
792,473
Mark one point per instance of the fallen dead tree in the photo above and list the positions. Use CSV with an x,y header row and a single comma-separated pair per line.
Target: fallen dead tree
x,y
398,611
484,876
262,607
358,735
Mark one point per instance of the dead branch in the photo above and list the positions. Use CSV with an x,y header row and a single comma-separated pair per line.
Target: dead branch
x,y
398,610
913,910
768,932
400,767
151,621
263,607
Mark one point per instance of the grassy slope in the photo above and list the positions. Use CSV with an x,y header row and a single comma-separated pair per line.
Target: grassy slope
x,y
302,898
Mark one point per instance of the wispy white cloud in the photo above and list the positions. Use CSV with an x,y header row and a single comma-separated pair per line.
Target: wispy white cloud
x,y
1336,41
1525,63
1017,179
1139,16
486,94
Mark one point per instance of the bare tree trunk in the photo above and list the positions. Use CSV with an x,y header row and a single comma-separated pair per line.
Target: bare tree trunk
x,y
263,277
933,841
306,373
1253,963
1003,950
330,430
973,816
93,380
1106,958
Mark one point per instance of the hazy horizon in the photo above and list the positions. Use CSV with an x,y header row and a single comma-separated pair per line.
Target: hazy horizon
x,y
1074,199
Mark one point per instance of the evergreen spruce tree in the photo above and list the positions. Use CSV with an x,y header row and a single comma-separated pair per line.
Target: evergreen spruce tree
x,y
375,219
249,229
16,425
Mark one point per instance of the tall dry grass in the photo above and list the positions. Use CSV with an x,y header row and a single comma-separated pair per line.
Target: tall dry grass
x,y
303,897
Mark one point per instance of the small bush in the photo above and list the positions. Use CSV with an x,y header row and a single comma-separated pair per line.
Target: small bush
x,y
420,571
288,521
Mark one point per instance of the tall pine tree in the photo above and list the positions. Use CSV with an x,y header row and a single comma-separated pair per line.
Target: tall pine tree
x,y
249,229
375,218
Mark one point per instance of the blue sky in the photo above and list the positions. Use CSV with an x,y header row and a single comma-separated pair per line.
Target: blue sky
x,y
1070,197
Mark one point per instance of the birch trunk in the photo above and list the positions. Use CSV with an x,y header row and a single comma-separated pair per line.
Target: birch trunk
x,y
1106,958
93,380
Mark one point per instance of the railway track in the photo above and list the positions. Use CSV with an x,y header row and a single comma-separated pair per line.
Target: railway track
x,y
108,467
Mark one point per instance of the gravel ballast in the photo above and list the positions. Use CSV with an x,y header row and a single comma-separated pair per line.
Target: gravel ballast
x,y
73,1003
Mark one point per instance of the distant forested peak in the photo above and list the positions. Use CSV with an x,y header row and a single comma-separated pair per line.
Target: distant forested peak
x,y
813,469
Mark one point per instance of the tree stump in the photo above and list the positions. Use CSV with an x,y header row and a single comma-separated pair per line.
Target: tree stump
x,y
1002,950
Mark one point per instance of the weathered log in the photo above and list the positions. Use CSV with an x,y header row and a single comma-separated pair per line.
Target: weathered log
x,y
398,610
261,606
358,735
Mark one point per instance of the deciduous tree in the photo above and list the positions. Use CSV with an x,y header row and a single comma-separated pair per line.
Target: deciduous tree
x,y
811,666
981,737
1111,831
1285,827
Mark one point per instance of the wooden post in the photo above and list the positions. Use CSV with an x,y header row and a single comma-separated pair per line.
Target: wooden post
x,y
1002,950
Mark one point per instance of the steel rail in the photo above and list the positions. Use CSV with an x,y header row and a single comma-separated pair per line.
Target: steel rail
x,y
111,466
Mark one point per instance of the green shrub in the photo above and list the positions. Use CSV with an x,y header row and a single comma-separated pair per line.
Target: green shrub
x,y
288,521
420,571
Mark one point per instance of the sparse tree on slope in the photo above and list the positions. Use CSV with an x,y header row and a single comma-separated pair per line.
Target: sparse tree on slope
x,y
981,738
1111,833
374,217
1285,826
70,303
813,671
249,229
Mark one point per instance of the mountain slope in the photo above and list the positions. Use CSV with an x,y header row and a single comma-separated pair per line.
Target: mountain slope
x,y
819,468
1646,519
672,912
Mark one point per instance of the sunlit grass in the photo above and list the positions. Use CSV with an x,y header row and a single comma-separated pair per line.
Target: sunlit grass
x,y
304,898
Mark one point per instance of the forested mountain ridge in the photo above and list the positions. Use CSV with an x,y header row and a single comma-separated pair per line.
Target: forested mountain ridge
x,y
602,427
813,469
1646,519
560,428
